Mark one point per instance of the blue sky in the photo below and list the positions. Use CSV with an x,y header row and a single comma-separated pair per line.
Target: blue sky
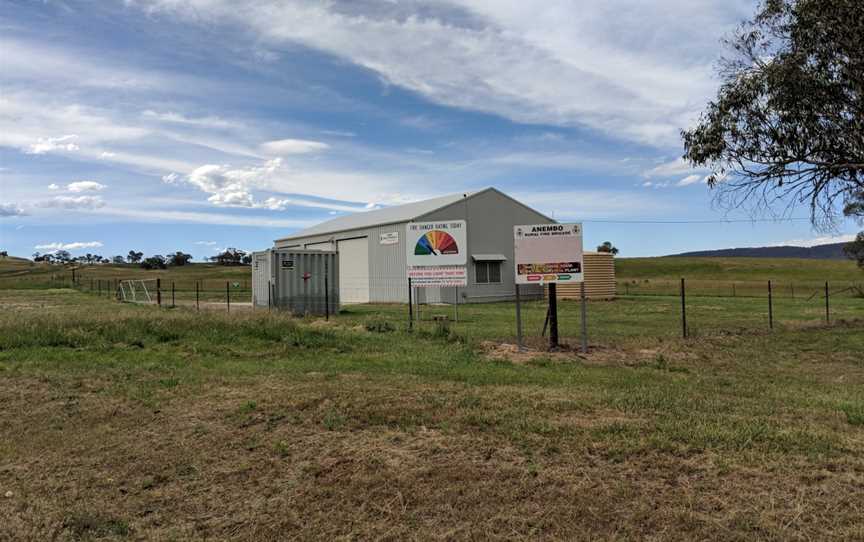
x,y
161,125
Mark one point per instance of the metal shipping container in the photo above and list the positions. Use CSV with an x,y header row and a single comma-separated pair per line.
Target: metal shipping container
x,y
301,281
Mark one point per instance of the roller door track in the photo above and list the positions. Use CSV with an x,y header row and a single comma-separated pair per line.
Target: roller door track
x,y
354,270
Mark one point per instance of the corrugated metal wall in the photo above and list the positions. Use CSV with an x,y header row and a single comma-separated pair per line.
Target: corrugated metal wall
x,y
387,266
599,278
388,282
490,216
305,295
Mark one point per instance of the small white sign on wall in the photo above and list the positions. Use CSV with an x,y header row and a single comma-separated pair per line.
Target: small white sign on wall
x,y
389,238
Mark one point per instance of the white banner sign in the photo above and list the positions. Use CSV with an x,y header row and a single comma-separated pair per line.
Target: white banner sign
x,y
439,276
436,253
436,243
547,253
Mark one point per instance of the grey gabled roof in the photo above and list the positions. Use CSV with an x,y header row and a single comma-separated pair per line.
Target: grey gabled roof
x,y
380,217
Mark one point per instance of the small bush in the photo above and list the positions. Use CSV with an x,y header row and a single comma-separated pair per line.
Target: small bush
x,y
379,325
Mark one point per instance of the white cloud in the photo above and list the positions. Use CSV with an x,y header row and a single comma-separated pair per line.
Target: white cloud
x,y
84,186
690,179
670,169
284,147
231,186
615,66
10,209
276,204
178,118
73,202
77,245
206,243
234,187
339,133
53,186
53,144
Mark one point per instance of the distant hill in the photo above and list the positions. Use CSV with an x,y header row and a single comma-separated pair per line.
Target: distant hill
x,y
833,251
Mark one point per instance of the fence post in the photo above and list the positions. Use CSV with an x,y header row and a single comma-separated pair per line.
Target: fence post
x,y
173,298
827,305
269,298
792,286
733,290
770,308
228,295
159,292
410,305
197,302
584,317
326,293
518,319
553,315
683,311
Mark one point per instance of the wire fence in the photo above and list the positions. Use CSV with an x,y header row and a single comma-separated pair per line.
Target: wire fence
x,y
741,288
642,307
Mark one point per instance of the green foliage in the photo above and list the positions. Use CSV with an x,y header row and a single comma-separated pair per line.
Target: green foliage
x,y
379,325
608,247
855,249
787,121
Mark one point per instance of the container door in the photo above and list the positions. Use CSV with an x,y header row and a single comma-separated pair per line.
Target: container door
x,y
354,270
260,278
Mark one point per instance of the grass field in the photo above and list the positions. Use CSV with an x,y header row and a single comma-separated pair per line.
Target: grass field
x,y
132,422
124,421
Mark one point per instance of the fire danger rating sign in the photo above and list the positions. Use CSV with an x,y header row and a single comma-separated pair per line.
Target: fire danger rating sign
x,y
547,253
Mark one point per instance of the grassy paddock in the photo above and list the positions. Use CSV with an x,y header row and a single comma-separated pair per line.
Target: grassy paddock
x,y
124,421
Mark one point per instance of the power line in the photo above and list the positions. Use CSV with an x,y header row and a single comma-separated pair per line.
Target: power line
x,y
686,221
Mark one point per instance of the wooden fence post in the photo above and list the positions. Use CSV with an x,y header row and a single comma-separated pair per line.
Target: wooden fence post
x,y
683,311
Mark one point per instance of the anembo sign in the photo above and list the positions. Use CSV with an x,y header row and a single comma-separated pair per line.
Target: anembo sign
x,y
547,253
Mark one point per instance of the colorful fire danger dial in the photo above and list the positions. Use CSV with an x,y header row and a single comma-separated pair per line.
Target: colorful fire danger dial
x,y
435,243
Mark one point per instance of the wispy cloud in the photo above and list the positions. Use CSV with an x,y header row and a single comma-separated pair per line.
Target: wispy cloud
x,y
76,245
73,202
45,145
85,186
691,179
10,209
814,241
556,64
179,118
282,147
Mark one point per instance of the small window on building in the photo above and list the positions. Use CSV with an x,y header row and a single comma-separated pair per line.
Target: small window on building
x,y
487,272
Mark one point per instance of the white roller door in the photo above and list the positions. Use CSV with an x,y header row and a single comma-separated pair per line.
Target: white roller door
x,y
354,270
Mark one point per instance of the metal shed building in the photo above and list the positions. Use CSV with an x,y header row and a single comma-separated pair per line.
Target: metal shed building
x,y
371,247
